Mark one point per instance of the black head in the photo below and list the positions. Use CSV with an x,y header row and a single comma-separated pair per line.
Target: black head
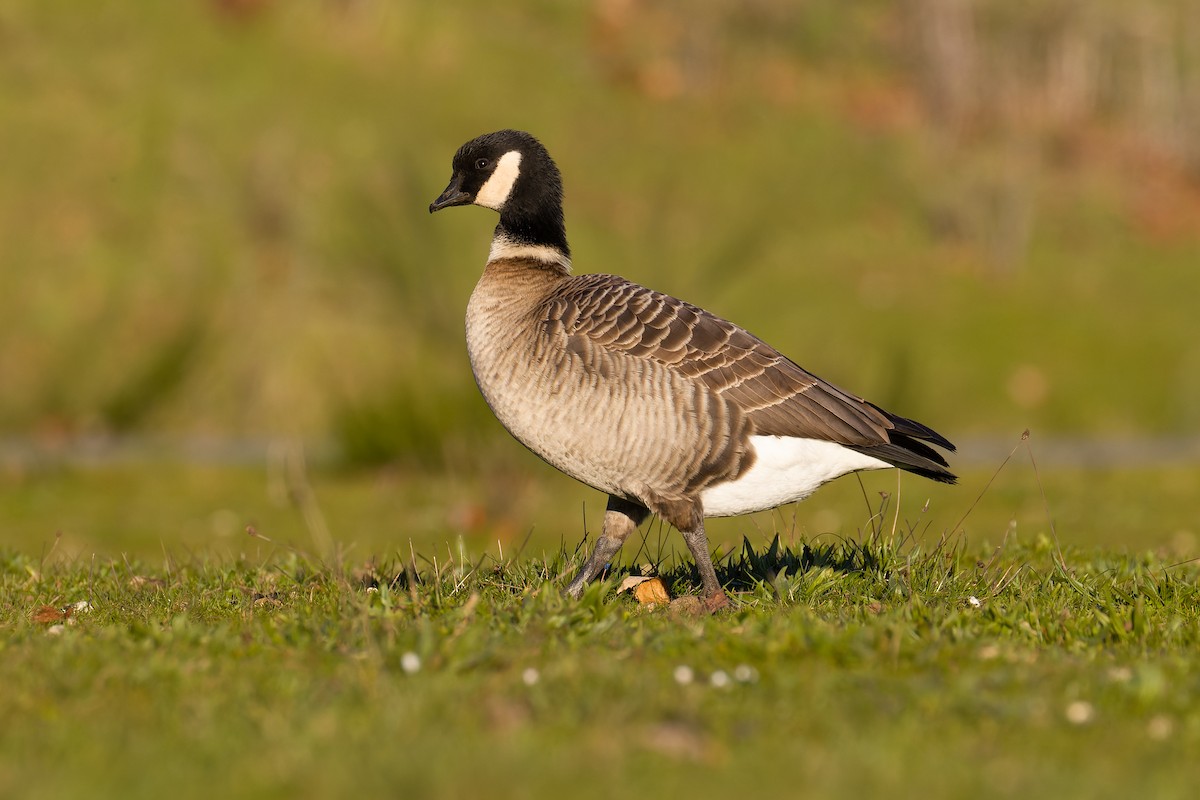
x,y
510,172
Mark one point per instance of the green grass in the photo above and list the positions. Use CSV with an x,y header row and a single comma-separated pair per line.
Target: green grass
x,y
213,662
843,669
145,511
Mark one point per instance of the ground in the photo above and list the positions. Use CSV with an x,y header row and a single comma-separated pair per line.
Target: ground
x,y
882,660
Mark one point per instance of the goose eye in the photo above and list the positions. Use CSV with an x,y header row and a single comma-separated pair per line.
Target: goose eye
x,y
481,163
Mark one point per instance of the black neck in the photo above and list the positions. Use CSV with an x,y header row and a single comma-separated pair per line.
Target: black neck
x,y
544,226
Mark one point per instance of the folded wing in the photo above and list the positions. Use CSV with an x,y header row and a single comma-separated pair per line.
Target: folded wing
x,y
608,316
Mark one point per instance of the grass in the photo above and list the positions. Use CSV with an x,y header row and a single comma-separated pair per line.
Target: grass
x,y
146,511
844,667
430,651
425,647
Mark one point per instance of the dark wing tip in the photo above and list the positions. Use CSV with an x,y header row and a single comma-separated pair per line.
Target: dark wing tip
x,y
915,430
908,448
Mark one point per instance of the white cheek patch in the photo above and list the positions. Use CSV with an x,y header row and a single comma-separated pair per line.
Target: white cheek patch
x,y
494,193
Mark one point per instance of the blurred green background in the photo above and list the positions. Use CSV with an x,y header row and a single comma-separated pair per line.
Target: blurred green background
x,y
216,258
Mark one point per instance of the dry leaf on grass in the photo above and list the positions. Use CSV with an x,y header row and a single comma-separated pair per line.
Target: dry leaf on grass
x,y
648,591
48,614
652,593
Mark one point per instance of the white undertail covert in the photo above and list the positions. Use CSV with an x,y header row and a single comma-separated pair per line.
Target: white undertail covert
x,y
786,470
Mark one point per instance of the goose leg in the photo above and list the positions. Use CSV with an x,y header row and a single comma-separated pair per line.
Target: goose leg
x,y
621,519
697,542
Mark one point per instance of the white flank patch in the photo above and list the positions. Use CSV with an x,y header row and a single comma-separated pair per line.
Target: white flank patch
x,y
494,193
786,470
503,247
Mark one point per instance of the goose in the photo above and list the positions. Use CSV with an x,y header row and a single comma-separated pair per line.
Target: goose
x,y
663,406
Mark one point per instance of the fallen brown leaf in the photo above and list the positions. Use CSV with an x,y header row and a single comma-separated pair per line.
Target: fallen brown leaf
x,y
651,592
50,614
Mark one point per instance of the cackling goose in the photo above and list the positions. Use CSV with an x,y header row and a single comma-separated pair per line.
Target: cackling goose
x,y
660,404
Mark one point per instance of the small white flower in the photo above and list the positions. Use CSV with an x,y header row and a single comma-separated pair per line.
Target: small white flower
x,y
974,601
82,607
1080,712
719,679
744,673
372,590
410,662
684,675
1120,674
530,676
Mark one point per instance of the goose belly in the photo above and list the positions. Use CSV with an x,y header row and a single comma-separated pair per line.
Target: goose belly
x,y
618,434
786,470
613,442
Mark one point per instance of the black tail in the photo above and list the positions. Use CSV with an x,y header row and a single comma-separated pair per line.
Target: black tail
x,y
907,450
